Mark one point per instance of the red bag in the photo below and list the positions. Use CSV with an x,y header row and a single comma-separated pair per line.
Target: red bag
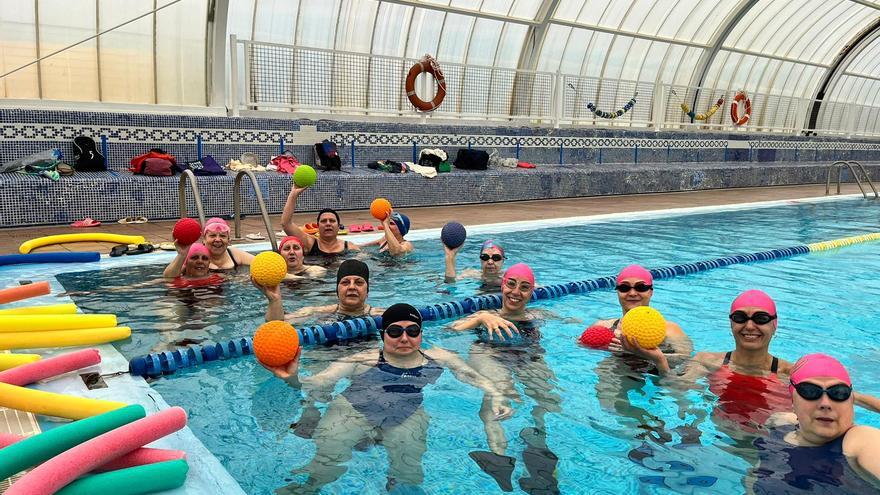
x,y
286,163
137,163
158,166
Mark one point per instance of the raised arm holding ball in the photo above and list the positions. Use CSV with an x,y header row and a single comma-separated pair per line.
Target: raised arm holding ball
x,y
327,242
396,226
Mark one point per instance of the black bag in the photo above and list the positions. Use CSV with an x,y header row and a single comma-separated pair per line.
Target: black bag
x,y
86,156
472,159
430,159
327,155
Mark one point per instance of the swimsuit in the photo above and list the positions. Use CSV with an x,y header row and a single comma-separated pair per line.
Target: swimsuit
x,y
234,263
790,469
748,400
316,250
529,334
183,283
387,395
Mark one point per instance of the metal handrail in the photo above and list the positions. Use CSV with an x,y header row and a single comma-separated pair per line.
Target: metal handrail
x,y
236,206
181,194
849,164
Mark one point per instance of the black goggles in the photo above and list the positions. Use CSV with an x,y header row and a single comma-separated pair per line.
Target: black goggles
x,y
811,391
639,287
760,317
495,257
395,331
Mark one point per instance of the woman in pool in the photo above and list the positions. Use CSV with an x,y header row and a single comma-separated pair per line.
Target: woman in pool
x,y
328,241
512,348
383,401
396,226
825,452
491,264
223,257
291,248
190,267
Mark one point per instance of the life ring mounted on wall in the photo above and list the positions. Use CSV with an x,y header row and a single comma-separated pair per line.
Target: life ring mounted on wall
x,y
734,108
429,65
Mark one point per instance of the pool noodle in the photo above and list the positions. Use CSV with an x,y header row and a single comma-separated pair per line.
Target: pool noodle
x,y
53,366
28,246
62,338
49,309
9,361
36,449
52,475
62,257
138,457
49,323
24,292
51,404
132,481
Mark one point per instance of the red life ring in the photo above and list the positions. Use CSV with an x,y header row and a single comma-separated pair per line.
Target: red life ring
x,y
734,109
429,65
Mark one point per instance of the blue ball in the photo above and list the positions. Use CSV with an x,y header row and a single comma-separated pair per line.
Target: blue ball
x,y
453,235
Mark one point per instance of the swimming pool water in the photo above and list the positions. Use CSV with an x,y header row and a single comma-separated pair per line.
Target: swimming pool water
x,y
243,415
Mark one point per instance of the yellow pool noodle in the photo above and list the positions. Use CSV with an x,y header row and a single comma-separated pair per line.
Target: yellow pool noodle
x,y
9,361
50,309
28,246
44,323
51,404
62,338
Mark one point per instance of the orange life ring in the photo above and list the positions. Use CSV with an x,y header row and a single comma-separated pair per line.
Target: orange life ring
x,y
429,65
734,111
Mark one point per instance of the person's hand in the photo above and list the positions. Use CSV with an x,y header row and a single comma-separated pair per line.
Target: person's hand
x,y
296,190
615,345
182,250
386,222
501,408
497,325
285,371
271,293
450,252
654,355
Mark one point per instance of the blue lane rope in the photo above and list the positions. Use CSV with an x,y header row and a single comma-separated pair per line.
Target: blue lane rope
x,y
168,362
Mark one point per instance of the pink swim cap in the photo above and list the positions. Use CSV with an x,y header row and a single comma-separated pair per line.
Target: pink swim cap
x,y
216,224
520,271
818,365
754,298
198,248
290,238
636,271
491,244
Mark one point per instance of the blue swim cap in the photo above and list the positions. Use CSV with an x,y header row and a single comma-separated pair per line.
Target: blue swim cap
x,y
402,222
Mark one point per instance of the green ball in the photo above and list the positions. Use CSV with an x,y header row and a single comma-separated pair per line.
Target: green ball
x,y
304,176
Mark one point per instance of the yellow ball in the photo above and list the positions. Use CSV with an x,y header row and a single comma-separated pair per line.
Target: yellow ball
x,y
646,325
268,268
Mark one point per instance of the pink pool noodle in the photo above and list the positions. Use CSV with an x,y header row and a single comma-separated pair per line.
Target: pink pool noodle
x,y
54,474
47,368
138,457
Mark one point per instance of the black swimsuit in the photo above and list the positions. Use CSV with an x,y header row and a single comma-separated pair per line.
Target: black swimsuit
x,y
316,250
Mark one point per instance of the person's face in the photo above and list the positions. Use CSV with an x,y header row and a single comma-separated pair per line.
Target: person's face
x,y
632,298
750,335
823,420
217,242
328,226
495,262
352,291
515,294
197,265
293,254
404,344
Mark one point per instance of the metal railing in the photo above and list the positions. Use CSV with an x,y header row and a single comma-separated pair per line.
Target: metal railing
x,y
188,177
838,165
277,77
236,206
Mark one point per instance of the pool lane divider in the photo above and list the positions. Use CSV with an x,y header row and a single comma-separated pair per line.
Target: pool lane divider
x,y
168,362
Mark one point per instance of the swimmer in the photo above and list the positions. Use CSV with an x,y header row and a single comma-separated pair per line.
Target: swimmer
x,y
818,448
191,265
223,257
396,226
291,248
491,264
327,242
383,402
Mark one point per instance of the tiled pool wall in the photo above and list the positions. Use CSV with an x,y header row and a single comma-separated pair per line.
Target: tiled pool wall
x,y
572,162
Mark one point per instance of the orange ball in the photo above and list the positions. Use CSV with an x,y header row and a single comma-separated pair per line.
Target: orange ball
x,y
276,343
380,208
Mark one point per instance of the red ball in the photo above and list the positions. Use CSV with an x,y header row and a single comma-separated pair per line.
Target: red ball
x,y
597,337
187,231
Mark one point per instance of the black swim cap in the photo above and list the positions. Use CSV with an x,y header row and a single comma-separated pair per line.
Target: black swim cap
x,y
353,267
329,210
400,312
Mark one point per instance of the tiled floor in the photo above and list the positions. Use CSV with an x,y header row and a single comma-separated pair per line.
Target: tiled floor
x,y
437,216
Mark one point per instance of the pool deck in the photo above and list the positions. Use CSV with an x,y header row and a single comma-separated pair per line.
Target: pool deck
x,y
433,217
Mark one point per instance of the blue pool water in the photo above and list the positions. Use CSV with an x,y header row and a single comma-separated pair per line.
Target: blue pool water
x,y
243,415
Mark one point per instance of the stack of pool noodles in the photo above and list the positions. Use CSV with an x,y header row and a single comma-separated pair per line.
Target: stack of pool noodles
x,y
107,439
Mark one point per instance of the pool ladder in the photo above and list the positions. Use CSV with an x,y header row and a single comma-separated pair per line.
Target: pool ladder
x,y
188,177
853,170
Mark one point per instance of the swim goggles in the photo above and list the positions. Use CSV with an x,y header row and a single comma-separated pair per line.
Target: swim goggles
x,y
811,391
760,317
639,287
395,331
495,257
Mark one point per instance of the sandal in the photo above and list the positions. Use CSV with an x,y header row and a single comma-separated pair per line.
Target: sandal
x,y
256,237
128,220
119,250
85,222
310,228
167,246
141,249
